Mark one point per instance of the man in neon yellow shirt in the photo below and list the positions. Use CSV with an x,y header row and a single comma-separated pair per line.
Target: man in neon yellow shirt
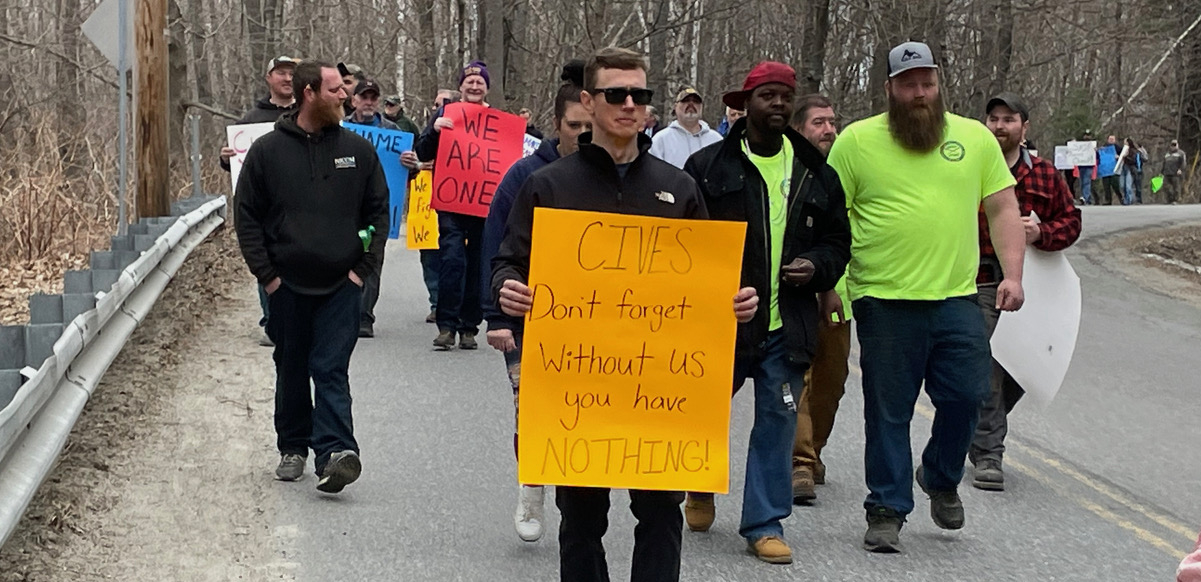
x,y
914,179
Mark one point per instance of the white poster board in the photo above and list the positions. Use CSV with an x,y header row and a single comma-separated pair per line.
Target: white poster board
x,y
1082,153
530,145
240,137
1063,159
1035,343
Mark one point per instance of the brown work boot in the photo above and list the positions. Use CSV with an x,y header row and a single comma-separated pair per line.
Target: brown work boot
x,y
770,549
467,341
803,491
699,511
819,473
445,339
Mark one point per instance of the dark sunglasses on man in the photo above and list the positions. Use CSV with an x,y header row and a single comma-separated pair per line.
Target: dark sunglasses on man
x,y
618,95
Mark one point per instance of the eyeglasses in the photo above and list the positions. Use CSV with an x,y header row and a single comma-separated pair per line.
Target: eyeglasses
x,y
618,95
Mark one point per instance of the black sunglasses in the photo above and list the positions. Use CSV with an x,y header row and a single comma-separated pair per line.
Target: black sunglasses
x,y
618,95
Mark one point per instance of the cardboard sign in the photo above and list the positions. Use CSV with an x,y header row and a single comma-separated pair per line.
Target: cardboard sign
x,y
1062,158
474,156
422,220
628,356
239,138
389,144
1082,153
1107,159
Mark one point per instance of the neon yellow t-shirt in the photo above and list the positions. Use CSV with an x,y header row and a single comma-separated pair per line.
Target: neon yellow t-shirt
x,y
914,216
777,175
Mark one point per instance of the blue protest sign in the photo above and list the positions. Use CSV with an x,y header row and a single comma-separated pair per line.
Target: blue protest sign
x,y
389,144
1107,158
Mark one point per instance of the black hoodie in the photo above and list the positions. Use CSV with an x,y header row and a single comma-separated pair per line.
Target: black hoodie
x,y
301,201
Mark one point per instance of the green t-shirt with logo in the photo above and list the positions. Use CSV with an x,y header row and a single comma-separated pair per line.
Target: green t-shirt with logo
x,y
914,216
777,175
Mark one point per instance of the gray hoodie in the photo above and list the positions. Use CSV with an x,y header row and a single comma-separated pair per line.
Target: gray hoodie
x,y
674,144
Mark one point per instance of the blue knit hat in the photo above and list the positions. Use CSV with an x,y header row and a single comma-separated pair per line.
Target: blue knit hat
x,y
476,68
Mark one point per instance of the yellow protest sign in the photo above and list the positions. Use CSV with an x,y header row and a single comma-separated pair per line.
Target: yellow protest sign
x,y
422,219
628,354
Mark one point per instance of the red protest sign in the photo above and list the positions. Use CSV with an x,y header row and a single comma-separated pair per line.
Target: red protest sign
x,y
474,156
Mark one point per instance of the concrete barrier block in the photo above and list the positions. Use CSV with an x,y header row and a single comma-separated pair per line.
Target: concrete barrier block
x,y
10,382
39,342
139,227
142,242
102,260
45,308
103,279
121,243
77,282
12,347
77,303
122,259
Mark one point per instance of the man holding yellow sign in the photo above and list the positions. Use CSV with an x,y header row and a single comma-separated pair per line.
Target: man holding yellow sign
x,y
619,387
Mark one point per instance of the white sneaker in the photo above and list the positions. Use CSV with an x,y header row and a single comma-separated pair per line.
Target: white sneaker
x,y
528,518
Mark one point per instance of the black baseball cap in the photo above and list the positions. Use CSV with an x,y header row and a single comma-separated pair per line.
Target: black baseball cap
x,y
392,100
1010,101
367,85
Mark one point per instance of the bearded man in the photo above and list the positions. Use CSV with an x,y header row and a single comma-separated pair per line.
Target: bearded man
x,y
307,194
914,178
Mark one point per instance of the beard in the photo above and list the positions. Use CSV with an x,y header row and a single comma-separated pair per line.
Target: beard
x,y
918,127
1008,142
327,114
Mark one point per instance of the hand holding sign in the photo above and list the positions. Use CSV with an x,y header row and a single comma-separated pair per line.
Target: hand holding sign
x,y
628,356
475,149
240,137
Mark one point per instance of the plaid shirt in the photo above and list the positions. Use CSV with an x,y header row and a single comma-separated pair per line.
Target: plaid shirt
x,y
1040,189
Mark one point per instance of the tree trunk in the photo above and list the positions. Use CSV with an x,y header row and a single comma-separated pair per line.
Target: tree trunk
x,y
491,43
817,28
178,87
71,114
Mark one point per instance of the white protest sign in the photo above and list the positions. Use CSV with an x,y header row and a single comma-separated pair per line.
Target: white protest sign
x,y
1063,159
530,145
1082,153
240,137
1035,343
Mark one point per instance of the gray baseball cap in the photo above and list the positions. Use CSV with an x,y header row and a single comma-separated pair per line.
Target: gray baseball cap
x,y
910,55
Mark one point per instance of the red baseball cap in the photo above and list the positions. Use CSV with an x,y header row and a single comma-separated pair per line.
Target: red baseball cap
x,y
763,73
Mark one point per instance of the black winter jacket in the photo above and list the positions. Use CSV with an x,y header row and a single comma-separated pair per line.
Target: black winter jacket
x,y
588,180
817,230
301,201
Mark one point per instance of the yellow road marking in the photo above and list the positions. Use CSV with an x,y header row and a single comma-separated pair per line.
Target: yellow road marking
x,y
1113,494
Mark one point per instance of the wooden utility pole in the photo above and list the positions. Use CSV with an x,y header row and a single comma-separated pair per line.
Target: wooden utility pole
x,y
150,108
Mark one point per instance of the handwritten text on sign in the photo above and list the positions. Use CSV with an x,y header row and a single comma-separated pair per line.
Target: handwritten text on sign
x,y
240,137
422,221
474,156
628,355
389,144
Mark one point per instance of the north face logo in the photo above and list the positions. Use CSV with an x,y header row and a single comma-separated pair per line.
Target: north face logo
x,y
909,56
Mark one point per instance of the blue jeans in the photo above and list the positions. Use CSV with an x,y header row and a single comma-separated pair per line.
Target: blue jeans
x,y
459,240
904,343
1127,186
767,494
1086,184
314,337
430,263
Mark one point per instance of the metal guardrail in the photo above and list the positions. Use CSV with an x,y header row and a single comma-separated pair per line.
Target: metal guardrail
x,y
34,426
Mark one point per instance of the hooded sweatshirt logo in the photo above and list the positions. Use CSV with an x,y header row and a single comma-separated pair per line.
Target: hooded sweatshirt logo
x,y
344,163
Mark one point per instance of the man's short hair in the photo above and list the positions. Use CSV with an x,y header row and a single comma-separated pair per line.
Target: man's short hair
x,y
308,74
813,101
612,58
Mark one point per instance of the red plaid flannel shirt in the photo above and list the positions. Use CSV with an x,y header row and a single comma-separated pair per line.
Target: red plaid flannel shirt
x,y
1040,189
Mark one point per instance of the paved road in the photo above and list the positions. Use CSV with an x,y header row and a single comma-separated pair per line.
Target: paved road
x,y
1104,485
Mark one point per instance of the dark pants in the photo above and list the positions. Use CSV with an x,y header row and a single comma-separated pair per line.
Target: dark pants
x,y
1004,392
1113,188
430,265
585,519
1171,188
371,293
1138,187
265,306
459,240
314,337
904,343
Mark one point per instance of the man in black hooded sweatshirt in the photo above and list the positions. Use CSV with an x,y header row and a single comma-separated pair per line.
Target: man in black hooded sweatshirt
x,y
312,217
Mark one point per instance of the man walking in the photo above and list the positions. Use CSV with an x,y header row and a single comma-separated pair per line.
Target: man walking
x,y
797,244
279,100
1174,163
1042,192
611,172
826,379
300,234
915,178
1108,166
687,134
